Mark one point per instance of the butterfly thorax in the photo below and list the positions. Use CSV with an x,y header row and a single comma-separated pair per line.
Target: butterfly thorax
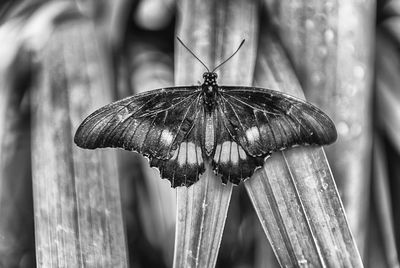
x,y
209,89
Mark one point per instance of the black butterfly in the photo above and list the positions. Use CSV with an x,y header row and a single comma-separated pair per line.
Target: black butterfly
x,y
180,128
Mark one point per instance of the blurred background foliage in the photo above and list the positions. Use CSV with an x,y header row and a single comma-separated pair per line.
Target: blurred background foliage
x,y
139,37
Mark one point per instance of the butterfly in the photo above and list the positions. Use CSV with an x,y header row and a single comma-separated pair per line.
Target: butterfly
x,y
234,128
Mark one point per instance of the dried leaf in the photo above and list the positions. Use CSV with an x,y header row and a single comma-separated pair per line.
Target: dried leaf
x,y
381,194
78,218
331,46
294,194
16,225
387,81
386,142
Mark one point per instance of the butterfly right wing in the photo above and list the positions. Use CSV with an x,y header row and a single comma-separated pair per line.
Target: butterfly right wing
x,y
264,121
152,123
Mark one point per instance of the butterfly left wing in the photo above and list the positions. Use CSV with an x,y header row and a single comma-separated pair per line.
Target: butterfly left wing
x,y
159,124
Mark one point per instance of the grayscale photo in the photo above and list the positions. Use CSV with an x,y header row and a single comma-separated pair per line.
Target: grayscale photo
x,y
199,133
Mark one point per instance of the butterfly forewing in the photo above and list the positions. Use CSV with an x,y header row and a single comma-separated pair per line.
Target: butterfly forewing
x,y
153,123
263,121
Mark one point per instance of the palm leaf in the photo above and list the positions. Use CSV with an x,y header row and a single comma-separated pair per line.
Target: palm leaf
x,y
78,218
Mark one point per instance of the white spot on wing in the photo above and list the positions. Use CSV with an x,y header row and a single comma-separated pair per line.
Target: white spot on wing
x,y
191,153
199,157
225,152
242,153
123,114
167,137
182,154
217,153
252,134
234,153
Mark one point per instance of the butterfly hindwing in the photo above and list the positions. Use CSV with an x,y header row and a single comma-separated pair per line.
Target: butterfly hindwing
x,y
187,163
230,160
152,123
263,121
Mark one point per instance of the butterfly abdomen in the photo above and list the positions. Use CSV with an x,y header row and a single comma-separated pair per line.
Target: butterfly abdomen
x,y
209,133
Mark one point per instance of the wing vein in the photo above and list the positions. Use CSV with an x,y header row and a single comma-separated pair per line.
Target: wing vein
x,y
236,115
151,113
247,104
182,121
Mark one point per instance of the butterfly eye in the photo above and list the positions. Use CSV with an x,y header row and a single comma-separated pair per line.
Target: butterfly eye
x,y
204,75
215,76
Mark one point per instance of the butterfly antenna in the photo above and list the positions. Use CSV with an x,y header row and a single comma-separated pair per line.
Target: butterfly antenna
x,y
191,52
222,63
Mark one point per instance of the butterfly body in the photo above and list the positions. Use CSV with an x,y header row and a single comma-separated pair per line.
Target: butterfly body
x,y
181,128
209,90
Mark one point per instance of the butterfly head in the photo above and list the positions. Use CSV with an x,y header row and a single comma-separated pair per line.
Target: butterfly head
x,y
210,79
